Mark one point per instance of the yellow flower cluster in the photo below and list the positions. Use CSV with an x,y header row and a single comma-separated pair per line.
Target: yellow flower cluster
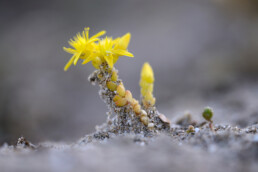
x,y
146,84
97,50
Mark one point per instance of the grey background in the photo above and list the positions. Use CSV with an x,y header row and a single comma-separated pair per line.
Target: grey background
x,y
203,52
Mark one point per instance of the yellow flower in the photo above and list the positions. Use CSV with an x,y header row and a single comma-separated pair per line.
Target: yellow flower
x,y
110,50
83,47
146,84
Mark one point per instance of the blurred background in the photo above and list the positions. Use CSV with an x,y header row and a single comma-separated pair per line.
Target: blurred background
x,y
203,52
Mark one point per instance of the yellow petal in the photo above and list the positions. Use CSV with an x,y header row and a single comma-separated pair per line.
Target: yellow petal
x,y
72,43
124,41
115,58
109,60
123,53
77,56
116,41
69,50
87,60
103,32
86,30
69,63
93,40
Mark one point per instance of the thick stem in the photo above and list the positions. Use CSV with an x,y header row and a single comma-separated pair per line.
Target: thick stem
x,y
126,119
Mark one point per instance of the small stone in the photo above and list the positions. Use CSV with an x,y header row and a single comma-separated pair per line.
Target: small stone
x,y
164,119
196,130
143,113
150,125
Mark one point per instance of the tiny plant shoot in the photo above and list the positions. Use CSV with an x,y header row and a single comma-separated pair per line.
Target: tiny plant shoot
x,y
207,115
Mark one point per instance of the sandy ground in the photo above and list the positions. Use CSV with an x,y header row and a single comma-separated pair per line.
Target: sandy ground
x,y
225,150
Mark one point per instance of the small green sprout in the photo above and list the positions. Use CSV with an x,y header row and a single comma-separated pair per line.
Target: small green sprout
x,y
207,115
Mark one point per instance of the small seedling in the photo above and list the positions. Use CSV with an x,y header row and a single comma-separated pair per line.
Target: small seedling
x,y
190,129
207,115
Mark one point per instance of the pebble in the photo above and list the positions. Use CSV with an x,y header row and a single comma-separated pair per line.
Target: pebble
x,y
196,130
